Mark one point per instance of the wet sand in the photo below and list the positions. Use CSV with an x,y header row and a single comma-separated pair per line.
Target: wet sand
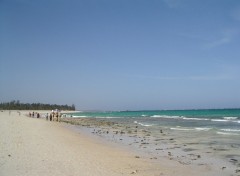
x,y
31,146
199,150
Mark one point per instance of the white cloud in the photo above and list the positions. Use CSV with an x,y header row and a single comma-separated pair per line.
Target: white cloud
x,y
226,37
218,42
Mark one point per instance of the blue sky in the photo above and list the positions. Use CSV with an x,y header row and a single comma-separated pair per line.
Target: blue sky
x,y
121,54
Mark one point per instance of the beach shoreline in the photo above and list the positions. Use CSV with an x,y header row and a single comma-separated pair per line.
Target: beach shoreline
x,y
35,147
166,145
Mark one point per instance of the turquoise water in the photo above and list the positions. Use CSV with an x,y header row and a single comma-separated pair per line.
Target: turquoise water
x,y
214,134
224,121
209,113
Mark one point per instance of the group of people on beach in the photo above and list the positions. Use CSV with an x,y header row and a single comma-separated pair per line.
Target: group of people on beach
x,y
33,114
53,116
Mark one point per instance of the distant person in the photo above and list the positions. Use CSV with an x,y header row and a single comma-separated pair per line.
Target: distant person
x,y
38,115
30,114
50,118
47,116
53,115
57,116
60,116
33,114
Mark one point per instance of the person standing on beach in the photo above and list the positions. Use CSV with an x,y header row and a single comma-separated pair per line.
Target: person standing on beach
x,y
50,118
46,116
57,116
33,114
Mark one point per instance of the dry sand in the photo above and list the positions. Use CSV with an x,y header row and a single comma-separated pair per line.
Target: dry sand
x,y
31,146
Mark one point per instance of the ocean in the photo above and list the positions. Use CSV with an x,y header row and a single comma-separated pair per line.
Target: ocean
x,y
209,137
222,121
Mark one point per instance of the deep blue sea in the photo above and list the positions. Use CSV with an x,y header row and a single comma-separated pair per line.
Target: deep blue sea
x,y
223,121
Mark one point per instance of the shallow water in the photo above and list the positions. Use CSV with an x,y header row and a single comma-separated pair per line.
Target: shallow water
x,y
212,141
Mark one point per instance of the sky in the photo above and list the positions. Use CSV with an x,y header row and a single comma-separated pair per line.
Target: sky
x,y
121,54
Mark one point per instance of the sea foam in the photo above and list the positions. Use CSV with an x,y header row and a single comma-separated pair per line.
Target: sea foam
x,y
230,118
219,120
186,118
182,129
231,130
142,124
79,116
227,133
165,116
203,129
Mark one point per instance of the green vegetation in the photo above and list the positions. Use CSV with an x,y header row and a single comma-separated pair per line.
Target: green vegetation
x,y
16,105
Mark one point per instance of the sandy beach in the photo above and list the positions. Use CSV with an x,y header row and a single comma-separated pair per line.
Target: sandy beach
x,y
31,146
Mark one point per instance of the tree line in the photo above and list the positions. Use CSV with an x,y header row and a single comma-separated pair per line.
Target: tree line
x,y
16,105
